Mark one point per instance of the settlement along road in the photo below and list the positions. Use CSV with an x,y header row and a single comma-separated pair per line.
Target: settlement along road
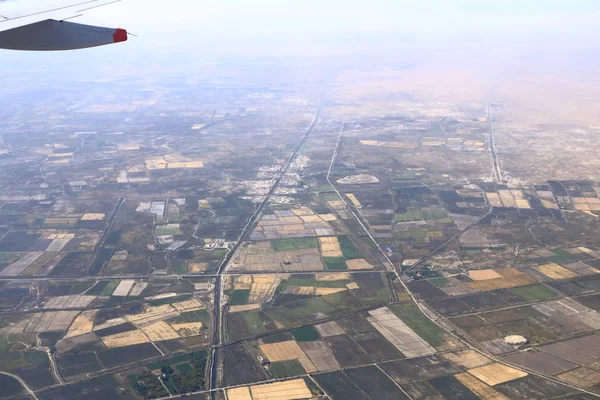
x,y
218,291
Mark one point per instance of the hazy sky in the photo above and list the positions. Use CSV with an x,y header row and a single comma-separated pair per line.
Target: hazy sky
x,y
317,17
321,27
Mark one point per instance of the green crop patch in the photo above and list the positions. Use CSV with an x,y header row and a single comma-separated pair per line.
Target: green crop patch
x,y
110,287
334,263
311,281
254,322
283,369
239,297
169,229
147,385
193,316
412,316
305,334
348,249
294,244
535,292
184,368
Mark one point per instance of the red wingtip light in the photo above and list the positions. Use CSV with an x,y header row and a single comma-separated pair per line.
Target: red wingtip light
x,y
120,35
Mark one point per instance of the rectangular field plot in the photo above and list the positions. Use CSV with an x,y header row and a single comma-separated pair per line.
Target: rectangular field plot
x,y
555,271
21,265
398,333
571,314
581,377
541,362
476,386
495,374
284,351
319,355
418,369
331,328
66,302
49,321
330,247
123,288
287,390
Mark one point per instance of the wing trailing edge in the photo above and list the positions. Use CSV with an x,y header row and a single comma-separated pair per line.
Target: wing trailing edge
x,y
50,35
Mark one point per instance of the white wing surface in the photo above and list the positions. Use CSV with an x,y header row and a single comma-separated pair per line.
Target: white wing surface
x,y
42,25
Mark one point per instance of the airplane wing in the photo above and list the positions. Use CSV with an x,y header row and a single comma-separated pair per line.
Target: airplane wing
x,y
43,25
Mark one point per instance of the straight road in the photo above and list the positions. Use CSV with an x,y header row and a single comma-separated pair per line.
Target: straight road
x,y
218,290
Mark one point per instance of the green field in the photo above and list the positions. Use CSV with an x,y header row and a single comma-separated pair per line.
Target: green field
x,y
348,249
184,368
334,263
194,316
412,316
7,258
305,281
282,369
420,215
110,287
178,360
535,292
305,334
239,297
169,229
294,244
254,322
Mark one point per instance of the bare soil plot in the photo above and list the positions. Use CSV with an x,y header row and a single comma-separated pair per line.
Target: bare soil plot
x,y
568,353
335,276
540,362
467,359
195,268
288,390
57,244
581,377
66,302
21,265
476,386
496,373
331,328
571,314
288,350
138,288
398,333
483,274
587,344
494,199
243,307
153,314
160,331
300,260
256,257
353,199
555,271
263,287
123,288
125,339
84,323
330,247
44,322
319,355
241,393
358,179
328,217
188,329
192,304
358,264
322,291
501,283
92,217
